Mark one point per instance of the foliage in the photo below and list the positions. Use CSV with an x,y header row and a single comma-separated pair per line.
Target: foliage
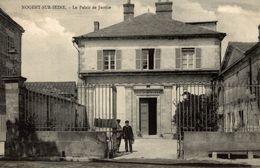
x,y
196,113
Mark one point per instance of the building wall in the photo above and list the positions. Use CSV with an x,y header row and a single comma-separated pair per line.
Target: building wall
x,y
210,52
239,96
132,84
8,62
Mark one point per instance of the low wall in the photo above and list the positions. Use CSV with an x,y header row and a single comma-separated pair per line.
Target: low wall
x,y
198,144
54,143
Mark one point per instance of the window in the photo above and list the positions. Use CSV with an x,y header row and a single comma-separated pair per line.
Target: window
x,y
147,59
109,59
188,55
188,58
10,43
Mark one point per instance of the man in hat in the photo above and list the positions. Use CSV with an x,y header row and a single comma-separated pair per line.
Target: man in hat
x,y
128,136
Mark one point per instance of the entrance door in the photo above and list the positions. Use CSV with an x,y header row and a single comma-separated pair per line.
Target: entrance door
x,y
148,116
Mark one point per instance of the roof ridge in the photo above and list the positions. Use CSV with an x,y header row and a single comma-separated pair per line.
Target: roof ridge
x,y
150,24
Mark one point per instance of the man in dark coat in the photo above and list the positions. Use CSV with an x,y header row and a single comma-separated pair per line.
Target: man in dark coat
x,y
128,136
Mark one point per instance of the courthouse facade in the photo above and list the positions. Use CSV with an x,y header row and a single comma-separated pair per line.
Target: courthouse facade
x,y
147,58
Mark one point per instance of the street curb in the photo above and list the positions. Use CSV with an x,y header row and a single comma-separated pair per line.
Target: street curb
x,y
193,163
47,159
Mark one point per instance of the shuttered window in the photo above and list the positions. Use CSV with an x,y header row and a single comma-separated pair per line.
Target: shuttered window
x,y
188,58
118,59
157,58
109,59
148,59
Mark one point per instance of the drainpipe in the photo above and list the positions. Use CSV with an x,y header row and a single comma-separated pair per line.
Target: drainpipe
x,y
75,45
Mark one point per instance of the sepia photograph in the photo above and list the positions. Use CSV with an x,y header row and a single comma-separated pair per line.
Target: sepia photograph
x,y
129,83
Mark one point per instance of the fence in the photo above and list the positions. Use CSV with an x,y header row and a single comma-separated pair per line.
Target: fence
x,y
239,107
196,110
208,107
100,102
52,112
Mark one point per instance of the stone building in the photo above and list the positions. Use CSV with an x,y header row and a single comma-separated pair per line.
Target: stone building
x,y
239,87
147,57
10,62
10,51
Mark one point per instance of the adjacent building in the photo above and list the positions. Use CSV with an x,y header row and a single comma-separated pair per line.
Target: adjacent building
x,y
149,58
238,91
10,51
10,62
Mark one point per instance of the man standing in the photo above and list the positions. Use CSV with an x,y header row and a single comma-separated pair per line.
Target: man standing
x,y
128,136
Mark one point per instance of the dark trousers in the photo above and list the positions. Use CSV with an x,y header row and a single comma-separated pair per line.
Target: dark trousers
x,y
128,142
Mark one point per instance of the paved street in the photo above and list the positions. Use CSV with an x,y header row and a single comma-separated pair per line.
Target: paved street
x,y
151,148
38,164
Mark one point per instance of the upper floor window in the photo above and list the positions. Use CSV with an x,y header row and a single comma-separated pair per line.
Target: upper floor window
x,y
108,59
148,59
188,58
10,43
188,55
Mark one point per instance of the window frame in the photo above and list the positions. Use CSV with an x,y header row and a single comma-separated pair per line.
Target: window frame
x,y
148,50
188,59
109,60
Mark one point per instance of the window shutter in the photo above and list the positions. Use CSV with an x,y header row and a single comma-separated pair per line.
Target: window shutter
x,y
118,59
198,57
178,58
100,60
157,58
138,58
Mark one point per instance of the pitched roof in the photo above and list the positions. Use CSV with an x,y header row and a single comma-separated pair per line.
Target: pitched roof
x,y
231,59
54,88
151,25
4,14
242,46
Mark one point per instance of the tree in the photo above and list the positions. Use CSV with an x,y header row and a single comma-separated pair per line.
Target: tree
x,y
196,113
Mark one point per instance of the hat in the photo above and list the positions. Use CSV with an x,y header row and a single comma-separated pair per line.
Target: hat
x,y
126,121
118,120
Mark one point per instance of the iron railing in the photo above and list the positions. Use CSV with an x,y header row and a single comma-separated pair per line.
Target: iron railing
x,y
47,112
195,110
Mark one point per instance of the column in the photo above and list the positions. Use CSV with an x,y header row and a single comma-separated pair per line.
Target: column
x,y
166,111
13,96
174,107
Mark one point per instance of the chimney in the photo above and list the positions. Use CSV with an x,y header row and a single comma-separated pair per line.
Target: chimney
x,y
96,26
128,10
164,9
259,33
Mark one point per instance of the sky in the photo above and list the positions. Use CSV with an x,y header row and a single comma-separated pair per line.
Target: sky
x,y
47,50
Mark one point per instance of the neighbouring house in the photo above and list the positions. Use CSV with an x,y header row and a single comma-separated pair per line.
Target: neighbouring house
x,y
63,89
10,51
239,91
147,58
10,62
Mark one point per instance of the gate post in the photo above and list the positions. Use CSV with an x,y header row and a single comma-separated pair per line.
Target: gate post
x,y
13,87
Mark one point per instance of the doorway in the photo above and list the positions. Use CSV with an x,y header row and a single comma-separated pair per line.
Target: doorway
x,y
148,116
